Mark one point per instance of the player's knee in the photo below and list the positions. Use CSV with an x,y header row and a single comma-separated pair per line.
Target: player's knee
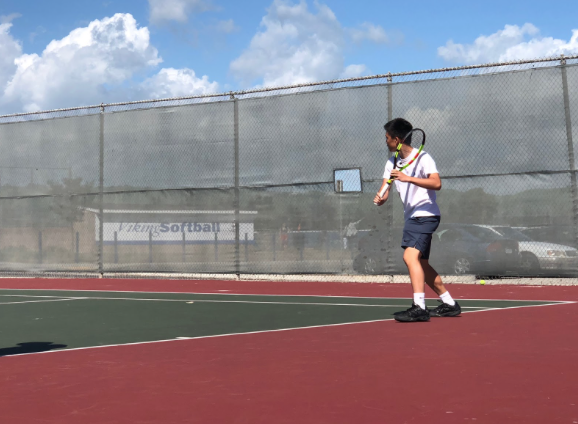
x,y
411,256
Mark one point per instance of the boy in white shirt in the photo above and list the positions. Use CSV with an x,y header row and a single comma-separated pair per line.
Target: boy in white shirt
x,y
417,186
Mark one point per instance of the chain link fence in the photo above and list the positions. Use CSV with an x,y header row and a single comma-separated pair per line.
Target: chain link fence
x,y
281,180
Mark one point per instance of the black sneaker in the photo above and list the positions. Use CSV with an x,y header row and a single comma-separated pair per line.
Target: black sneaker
x,y
445,310
415,313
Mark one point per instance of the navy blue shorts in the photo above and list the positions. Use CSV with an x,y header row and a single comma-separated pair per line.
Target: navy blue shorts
x,y
417,233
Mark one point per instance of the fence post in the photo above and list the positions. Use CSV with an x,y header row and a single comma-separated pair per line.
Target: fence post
x,y
216,248
246,247
77,250
101,194
115,247
327,245
150,247
571,163
39,247
274,249
388,206
237,200
184,248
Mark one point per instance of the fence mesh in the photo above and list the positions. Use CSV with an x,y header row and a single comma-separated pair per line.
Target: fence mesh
x,y
281,180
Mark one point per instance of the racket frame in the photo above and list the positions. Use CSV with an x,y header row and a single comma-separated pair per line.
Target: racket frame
x,y
397,151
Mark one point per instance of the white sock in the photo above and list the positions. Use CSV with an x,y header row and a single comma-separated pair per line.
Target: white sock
x,y
447,298
419,299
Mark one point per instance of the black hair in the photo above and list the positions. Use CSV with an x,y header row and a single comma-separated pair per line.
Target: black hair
x,y
398,127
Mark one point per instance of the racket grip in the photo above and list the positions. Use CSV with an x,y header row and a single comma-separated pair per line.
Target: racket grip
x,y
383,190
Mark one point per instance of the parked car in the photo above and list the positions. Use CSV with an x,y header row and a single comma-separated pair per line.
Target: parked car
x,y
539,255
375,256
472,249
562,234
456,249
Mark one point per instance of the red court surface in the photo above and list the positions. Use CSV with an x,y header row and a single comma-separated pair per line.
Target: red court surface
x,y
500,366
470,291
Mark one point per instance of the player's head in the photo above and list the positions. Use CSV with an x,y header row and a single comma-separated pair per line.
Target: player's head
x,y
395,131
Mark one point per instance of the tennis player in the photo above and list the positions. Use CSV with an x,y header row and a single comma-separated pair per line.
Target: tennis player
x,y
417,187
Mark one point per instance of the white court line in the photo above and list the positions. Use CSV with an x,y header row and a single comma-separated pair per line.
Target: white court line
x,y
36,295
219,301
523,306
253,332
201,337
275,295
41,301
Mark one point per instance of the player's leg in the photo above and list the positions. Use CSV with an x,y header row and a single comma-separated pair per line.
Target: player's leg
x,y
412,259
432,278
418,310
449,307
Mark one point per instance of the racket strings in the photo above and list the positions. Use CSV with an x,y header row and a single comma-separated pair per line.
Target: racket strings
x,y
414,138
408,139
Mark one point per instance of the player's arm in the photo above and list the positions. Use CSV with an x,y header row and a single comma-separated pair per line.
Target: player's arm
x,y
381,200
432,182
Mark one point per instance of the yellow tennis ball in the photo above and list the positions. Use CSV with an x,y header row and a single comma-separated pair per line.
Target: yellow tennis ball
x,y
482,282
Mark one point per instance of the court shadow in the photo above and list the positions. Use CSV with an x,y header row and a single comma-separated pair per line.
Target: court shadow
x,y
30,347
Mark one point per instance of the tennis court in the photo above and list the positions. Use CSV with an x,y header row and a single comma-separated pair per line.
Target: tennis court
x,y
278,183
162,351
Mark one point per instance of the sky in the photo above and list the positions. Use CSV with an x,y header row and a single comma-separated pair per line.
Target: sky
x,y
78,52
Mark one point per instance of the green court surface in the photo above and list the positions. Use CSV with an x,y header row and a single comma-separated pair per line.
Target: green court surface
x,y
39,320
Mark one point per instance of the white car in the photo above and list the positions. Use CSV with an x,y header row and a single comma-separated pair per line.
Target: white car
x,y
536,255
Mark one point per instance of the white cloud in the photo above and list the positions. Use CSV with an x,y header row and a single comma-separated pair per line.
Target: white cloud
x,y
543,47
353,71
78,67
170,82
162,11
227,26
511,43
10,49
91,65
371,32
6,19
295,46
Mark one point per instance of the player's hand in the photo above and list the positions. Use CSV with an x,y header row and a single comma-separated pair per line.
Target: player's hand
x,y
379,200
400,176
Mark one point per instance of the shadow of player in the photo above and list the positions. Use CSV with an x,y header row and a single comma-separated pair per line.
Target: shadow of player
x,y
30,347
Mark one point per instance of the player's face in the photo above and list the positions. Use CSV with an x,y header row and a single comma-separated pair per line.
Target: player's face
x,y
391,142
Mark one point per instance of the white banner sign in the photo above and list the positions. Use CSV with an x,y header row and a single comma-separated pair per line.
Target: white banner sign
x,y
172,232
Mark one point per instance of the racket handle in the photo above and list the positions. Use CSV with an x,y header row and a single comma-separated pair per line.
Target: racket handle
x,y
383,190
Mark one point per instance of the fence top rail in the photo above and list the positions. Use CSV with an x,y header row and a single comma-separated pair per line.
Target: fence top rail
x,y
231,94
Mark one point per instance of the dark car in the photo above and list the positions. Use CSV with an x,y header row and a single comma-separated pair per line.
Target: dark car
x,y
456,249
472,249
373,248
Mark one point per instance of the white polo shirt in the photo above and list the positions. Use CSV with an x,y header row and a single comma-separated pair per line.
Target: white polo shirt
x,y
417,201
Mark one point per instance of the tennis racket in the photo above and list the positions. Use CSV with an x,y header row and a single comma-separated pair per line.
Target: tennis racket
x,y
414,138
